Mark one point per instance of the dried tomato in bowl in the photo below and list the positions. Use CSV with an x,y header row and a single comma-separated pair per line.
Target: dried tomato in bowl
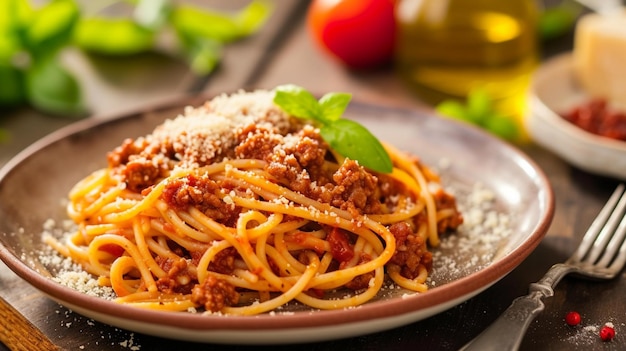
x,y
597,117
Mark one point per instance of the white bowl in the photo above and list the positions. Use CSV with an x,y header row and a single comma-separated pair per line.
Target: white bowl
x,y
554,90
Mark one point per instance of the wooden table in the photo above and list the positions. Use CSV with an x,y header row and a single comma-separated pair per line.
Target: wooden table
x,y
283,53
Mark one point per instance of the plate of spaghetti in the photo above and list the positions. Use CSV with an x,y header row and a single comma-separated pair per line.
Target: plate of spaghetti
x,y
227,219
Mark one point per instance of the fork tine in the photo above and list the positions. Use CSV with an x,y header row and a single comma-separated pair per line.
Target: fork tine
x,y
620,260
597,224
617,243
608,231
617,240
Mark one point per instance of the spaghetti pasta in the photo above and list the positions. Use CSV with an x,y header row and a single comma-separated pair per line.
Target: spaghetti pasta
x,y
238,208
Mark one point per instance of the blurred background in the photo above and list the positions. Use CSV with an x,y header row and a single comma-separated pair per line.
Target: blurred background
x,y
62,60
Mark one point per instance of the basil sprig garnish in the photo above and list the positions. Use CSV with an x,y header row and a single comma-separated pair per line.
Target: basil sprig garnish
x,y
347,137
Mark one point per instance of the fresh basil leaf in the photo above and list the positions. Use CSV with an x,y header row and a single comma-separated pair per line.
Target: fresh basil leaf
x,y
203,32
333,105
23,12
479,105
11,86
204,60
504,127
354,141
52,89
298,102
8,38
52,27
202,54
19,14
14,18
557,21
9,46
253,16
113,36
347,137
223,28
453,109
198,22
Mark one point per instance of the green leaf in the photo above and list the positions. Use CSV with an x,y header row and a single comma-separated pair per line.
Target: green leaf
x,y
503,127
224,28
11,86
479,105
14,14
9,46
202,55
557,21
197,22
298,102
354,141
347,137
52,89
52,27
334,104
113,36
453,109
480,111
253,16
23,12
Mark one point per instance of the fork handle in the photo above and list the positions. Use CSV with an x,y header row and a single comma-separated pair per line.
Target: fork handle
x,y
507,332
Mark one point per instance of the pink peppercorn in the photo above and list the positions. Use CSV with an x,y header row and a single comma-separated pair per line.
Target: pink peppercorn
x,y
607,333
572,318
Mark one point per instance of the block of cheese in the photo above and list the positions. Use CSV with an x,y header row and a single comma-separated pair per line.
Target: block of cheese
x,y
600,55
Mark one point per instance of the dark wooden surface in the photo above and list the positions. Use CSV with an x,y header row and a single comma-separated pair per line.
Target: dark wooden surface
x,y
283,53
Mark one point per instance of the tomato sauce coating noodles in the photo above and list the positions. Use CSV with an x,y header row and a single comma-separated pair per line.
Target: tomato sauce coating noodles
x,y
237,208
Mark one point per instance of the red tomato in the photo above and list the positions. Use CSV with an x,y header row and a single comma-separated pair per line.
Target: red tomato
x,y
360,33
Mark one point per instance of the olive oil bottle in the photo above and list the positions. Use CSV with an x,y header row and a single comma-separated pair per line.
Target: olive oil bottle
x,y
446,48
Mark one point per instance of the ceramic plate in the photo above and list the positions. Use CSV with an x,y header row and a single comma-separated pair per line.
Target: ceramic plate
x,y
555,90
33,184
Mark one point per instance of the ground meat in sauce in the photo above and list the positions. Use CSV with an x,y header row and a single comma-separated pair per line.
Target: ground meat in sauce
x,y
356,189
178,278
224,261
446,201
214,294
256,143
142,174
299,162
411,251
203,193
361,281
140,163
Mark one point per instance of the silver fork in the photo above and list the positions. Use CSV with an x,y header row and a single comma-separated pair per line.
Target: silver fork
x,y
601,255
